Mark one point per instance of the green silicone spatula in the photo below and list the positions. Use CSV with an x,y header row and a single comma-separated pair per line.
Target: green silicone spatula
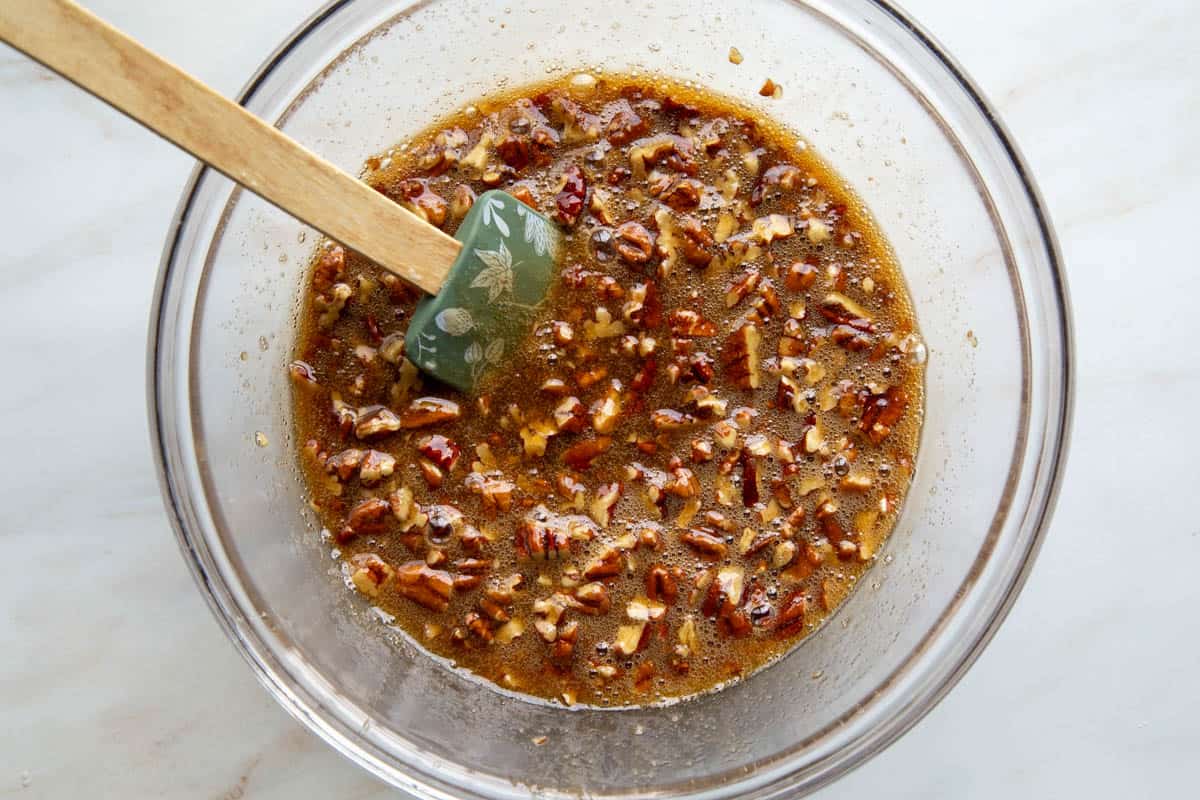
x,y
485,282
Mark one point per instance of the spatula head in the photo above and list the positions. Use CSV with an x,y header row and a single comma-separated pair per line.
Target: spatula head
x,y
492,295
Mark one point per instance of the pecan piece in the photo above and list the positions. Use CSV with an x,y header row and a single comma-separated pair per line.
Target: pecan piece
x,y
707,544
791,614
742,287
800,276
375,421
849,338
368,517
682,194
370,573
580,455
345,463
424,585
591,599
570,415
303,376
634,242
624,125
881,412
838,308
686,322
644,307
375,467
696,243
739,356
440,450
601,509
662,584
569,202
606,565
668,419
426,411
329,269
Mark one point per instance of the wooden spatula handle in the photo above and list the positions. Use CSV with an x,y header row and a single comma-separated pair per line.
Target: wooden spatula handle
x,y
164,98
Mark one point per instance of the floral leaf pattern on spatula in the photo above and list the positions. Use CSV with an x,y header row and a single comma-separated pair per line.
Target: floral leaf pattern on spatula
x,y
538,232
491,216
497,273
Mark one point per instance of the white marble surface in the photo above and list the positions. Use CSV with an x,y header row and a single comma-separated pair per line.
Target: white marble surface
x,y
116,682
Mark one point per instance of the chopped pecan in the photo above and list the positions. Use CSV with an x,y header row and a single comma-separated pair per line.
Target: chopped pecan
x,y
440,450
477,625
375,421
668,419
634,242
644,307
368,517
370,573
496,491
624,125
631,638
564,644
431,472
742,287
417,197
702,451
606,410
686,322
739,356
504,592
849,338
704,542
345,463
682,194
772,228
881,412
544,536
800,276
683,483
676,152
601,509
425,411
431,588
696,244
606,565
844,311
329,269
580,455
662,584
725,593
591,599
569,202
405,510
375,467
570,415
303,376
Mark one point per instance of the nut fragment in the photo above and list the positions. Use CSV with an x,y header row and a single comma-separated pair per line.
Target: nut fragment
x,y
661,584
424,585
739,356
601,509
375,421
685,322
425,411
370,573
580,455
705,543
881,412
634,243
440,450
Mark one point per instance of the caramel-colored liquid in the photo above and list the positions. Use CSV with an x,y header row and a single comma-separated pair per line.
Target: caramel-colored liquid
x,y
852,260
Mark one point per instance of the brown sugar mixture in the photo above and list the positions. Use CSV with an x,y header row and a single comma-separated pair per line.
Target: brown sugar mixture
x,y
704,444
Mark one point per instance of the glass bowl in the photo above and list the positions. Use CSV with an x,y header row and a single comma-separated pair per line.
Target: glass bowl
x,y
882,102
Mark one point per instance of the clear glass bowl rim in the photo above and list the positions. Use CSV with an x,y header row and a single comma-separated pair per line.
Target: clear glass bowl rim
x,y
1050,453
